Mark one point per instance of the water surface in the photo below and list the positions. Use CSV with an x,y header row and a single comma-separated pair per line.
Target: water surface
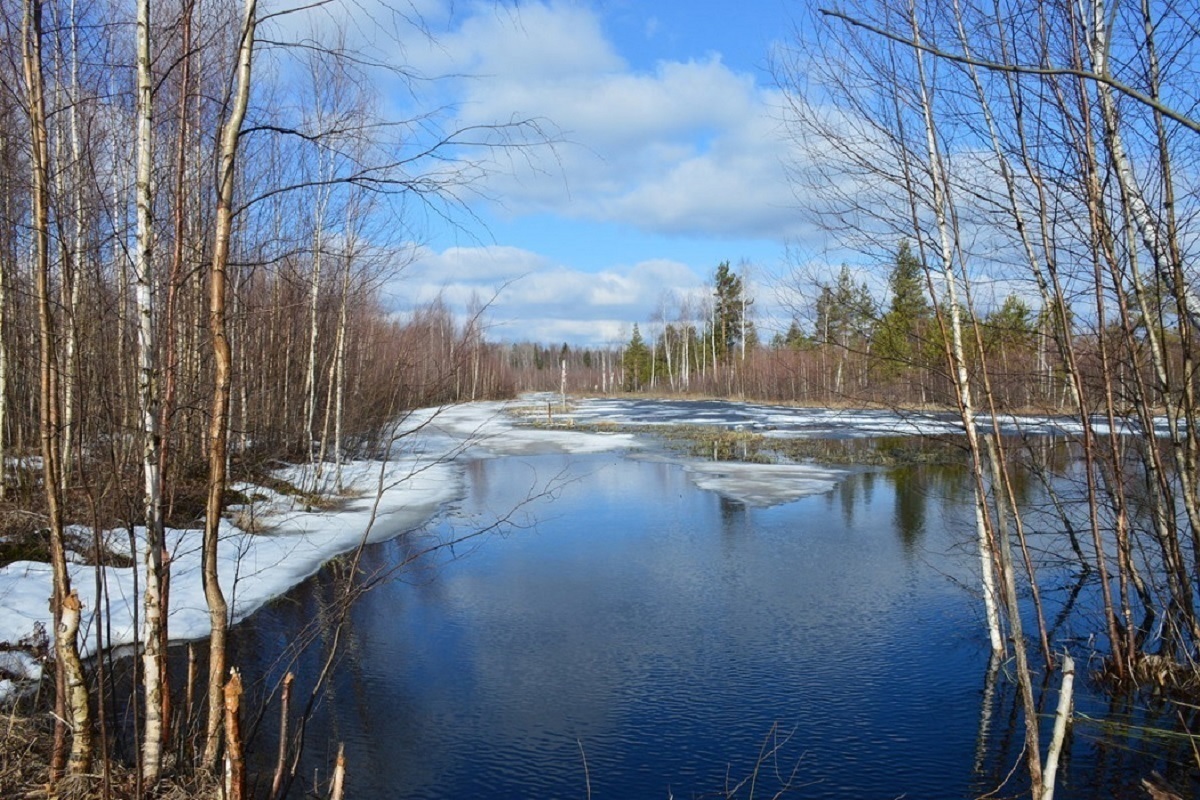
x,y
625,633
660,632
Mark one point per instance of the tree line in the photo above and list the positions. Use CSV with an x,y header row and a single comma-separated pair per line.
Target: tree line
x,y
844,345
204,209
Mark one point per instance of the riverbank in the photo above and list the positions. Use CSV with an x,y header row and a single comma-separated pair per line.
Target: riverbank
x,y
508,450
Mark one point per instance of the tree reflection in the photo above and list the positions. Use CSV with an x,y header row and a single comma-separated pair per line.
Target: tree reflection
x,y
847,492
733,514
911,498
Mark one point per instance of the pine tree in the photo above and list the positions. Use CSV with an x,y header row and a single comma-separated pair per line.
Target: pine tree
x,y
729,307
897,339
636,362
844,312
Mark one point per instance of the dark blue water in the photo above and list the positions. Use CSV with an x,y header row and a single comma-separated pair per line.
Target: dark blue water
x,y
634,637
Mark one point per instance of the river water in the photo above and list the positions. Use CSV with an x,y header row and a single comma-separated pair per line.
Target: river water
x,y
631,635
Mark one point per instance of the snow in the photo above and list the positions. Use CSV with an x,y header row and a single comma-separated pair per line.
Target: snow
x,y
253,568
20,664
291,544
490,429
21,671
425,472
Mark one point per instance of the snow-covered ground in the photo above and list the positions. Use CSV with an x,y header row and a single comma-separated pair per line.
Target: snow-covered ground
x,y
423,474
291,544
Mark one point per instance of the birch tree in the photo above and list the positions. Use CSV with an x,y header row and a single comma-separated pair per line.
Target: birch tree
x,y
71,702
148,398
218,433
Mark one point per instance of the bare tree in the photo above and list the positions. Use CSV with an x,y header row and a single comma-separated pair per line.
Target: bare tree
x,y
72,695
230,133
148,400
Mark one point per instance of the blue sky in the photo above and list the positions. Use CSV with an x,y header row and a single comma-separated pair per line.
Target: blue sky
x,y
670,161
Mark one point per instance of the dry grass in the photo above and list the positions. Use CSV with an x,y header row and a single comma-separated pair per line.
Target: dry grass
x,y
26,740
24,754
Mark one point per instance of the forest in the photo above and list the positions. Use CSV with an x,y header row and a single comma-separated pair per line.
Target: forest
x,y
192,277
203,208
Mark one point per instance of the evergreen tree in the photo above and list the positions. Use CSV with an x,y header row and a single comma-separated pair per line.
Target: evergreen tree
x,y
636,362
1012,326
793,338
898,337
844,312
729,308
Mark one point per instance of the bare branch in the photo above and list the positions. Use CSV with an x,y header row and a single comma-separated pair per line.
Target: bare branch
x,y
1022,69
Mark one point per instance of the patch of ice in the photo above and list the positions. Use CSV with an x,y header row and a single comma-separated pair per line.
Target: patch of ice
x,y
788,422
492,428
763,484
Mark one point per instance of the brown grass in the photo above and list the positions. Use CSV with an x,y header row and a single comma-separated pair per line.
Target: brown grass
x,y
25,744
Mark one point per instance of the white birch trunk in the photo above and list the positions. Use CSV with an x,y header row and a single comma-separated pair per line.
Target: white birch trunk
x,y
958,354
685,368
71,702
993,551
1147,223
310,374
148,400
340,373
1062,717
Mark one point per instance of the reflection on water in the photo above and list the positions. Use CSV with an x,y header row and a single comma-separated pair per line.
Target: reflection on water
x,y
661,630
911,498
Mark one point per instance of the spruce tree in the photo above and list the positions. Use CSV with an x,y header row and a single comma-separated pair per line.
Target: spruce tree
x,y
636,362
729,306
897,340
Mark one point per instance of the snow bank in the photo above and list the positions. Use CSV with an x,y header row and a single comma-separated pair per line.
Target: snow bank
x,y
292,544
490,429
253,568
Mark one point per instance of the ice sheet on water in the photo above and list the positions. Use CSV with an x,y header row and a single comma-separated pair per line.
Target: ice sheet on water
x,y
763,484
786,422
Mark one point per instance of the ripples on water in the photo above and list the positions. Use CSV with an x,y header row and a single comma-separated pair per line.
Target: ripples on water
x,y
664,631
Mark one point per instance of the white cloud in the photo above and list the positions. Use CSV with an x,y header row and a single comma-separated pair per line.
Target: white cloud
x,y
683,150
531,298
688,147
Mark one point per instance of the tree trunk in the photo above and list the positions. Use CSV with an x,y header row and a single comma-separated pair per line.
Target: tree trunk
x,y
152,621
235,761
992,552
218,611
73,691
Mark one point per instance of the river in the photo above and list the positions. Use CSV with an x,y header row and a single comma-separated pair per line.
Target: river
x,y
633,635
